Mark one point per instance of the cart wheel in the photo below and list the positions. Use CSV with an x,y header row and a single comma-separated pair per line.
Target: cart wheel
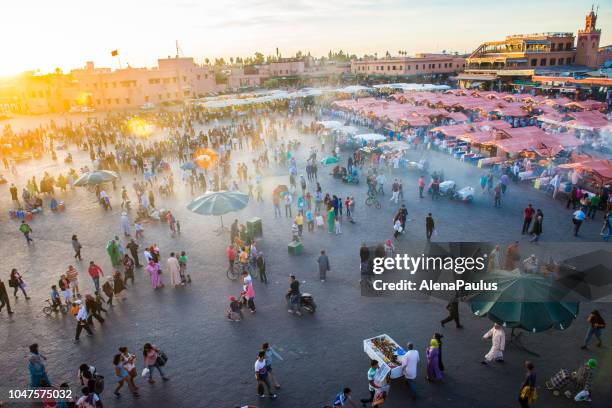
x,y
369,201
47,310
469,199
378,205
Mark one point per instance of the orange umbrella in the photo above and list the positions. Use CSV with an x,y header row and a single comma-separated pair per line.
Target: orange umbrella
x,y
205,158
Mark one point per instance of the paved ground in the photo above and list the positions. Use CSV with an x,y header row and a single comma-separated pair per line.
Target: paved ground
x,y
211,359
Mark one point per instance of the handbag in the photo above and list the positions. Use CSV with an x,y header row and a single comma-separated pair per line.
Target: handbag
x,y
162,358
529,394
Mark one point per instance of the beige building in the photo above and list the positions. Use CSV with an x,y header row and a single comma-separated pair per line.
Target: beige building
x,y
420,64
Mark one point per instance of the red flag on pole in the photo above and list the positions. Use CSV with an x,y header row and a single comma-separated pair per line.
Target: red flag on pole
x,y
114,53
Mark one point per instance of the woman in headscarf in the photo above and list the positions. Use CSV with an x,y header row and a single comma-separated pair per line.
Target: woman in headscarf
x,y
331,219
38,373
154,273
433,365
498,344
113,252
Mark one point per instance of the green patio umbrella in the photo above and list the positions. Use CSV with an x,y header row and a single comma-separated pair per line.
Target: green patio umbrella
x,y
218,204
527,301
329,160
524,301
96,177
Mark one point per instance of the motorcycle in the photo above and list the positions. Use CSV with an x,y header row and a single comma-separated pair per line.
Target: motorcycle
x,y
307,302
465,194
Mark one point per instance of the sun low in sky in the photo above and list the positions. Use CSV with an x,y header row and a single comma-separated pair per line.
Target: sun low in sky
x,y
39,34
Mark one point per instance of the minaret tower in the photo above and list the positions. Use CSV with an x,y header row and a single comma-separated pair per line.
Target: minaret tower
x,y
587,42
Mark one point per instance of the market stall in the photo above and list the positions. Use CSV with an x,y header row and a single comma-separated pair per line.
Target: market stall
x,y
388,353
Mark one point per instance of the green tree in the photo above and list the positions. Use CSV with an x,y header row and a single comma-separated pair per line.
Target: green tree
x,y
259,58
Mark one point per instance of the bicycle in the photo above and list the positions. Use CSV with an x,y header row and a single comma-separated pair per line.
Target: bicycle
x,y
50,308
235,272
372,200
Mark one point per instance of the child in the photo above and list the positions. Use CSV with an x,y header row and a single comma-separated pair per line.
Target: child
x,y
389,247
337,224
139,230
183,267
295,232
319,220
233,311
55,298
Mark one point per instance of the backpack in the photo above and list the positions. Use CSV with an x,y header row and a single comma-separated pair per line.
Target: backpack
x,y
98,383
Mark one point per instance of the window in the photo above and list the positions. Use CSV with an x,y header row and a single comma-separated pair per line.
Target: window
x,y
174,80
114,84
146,98
543,62
186,93
388,67
108,101
154,81
553,61
198,77
95,86
127,101
394,67
593,44
409,67
439,65
552,47
117,101
534,62
184,78
560,61
98,102
205,76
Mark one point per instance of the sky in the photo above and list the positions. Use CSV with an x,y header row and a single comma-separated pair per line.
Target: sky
x,y
42,34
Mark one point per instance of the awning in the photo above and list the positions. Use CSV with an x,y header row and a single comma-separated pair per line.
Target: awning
x,y
475,77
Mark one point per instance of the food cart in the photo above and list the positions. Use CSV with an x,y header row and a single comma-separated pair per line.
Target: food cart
x,y
388,353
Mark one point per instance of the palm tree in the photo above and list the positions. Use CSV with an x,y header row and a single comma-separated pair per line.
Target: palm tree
x,y
207,61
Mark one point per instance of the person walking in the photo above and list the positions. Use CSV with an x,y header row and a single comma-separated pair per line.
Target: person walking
x,y
372,386
123,376
395,192
343,399
92,308
26,230
16,282
128,269
154,274
4,299
153,359
72,275
133,248
453,313
125,224
578,218
433,363
261,375
497,195
38,372
108,290
76,245
95,272
527,394
597,324
498,344
421,184
81,318
174,270
261,266
429,226
323,262
409,368
528,213
269,353
248,290
129,363
288,202
536,229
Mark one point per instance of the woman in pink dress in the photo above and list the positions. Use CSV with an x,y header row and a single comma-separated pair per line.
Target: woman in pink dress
x,y
153,269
